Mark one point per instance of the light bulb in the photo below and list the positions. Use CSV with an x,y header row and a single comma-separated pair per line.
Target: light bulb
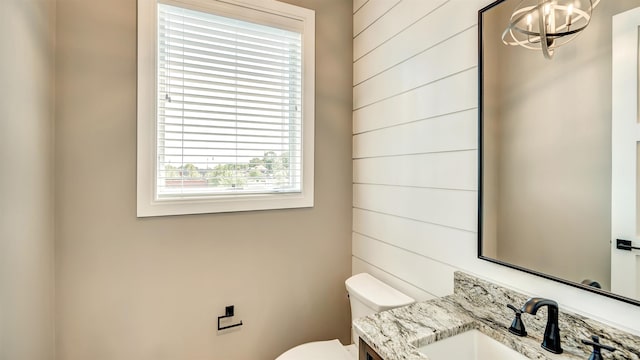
x,y
547,17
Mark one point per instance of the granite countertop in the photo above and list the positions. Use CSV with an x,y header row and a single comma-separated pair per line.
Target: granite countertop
x,y
395,334
477,304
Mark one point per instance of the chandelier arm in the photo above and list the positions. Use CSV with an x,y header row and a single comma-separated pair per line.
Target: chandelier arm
x,y
543,31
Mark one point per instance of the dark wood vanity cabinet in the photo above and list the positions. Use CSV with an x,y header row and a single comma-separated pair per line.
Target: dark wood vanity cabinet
x,y
367,353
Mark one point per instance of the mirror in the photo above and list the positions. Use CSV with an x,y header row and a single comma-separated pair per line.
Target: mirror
x,y
546,154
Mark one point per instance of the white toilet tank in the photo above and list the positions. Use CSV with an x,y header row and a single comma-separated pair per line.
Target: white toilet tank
x,y
369,295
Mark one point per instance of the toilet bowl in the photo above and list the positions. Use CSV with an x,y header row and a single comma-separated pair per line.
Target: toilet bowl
x,y
367,295
321,350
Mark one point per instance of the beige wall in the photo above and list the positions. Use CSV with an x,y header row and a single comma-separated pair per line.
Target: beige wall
x,y
26,187
135,289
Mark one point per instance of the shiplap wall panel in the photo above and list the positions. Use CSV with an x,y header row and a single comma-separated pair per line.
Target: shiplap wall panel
x,y
395,235
415,142
433,64
439,243
452,208
370,12
454,93
446,170
457,131
433,277
357,4
359,266
437,27
399,18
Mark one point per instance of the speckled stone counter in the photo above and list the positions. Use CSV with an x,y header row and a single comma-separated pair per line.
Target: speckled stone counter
x,y
481,305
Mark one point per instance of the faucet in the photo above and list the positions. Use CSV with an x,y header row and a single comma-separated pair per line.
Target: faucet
x,y
551,340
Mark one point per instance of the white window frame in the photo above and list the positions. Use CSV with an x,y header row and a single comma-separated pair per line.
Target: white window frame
x,y
259,11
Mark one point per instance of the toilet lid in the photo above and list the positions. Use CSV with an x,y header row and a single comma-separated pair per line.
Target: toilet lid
x,y
318,350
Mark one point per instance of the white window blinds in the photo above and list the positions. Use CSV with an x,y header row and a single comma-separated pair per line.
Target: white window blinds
x,y
229,117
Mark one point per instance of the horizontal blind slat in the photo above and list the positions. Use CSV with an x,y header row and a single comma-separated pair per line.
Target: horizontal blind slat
x,y
179,48
222,24
239,83
188,89
218,22
175,105
204,43
203,119
244,115
169,168
240,141
213,163
176,95
239,145
283,78
287,136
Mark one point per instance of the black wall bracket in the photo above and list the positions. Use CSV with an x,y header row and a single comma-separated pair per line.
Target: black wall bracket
x,y
228,312
625,245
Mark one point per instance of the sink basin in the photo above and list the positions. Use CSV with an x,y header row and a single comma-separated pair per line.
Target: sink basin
x,y
470,345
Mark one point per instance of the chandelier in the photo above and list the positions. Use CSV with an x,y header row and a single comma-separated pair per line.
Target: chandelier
x,y
547,24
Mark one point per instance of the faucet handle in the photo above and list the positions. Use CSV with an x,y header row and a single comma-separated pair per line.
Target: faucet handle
x,y
517,326
595,342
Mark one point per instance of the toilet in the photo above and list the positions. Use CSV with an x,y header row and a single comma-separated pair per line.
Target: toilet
x,y
367,296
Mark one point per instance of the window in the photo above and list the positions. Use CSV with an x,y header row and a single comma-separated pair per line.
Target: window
x,y
225,106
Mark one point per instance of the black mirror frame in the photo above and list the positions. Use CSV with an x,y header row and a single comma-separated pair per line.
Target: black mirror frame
x,y
480,182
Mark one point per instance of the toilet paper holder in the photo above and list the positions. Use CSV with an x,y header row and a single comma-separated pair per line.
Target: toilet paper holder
x,y
228,312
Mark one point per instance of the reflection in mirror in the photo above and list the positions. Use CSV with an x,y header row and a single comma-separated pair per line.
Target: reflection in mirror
x,y
547,25
546,153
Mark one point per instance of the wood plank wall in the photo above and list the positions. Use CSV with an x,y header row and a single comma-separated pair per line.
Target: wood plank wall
x,y
415,141
415,156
